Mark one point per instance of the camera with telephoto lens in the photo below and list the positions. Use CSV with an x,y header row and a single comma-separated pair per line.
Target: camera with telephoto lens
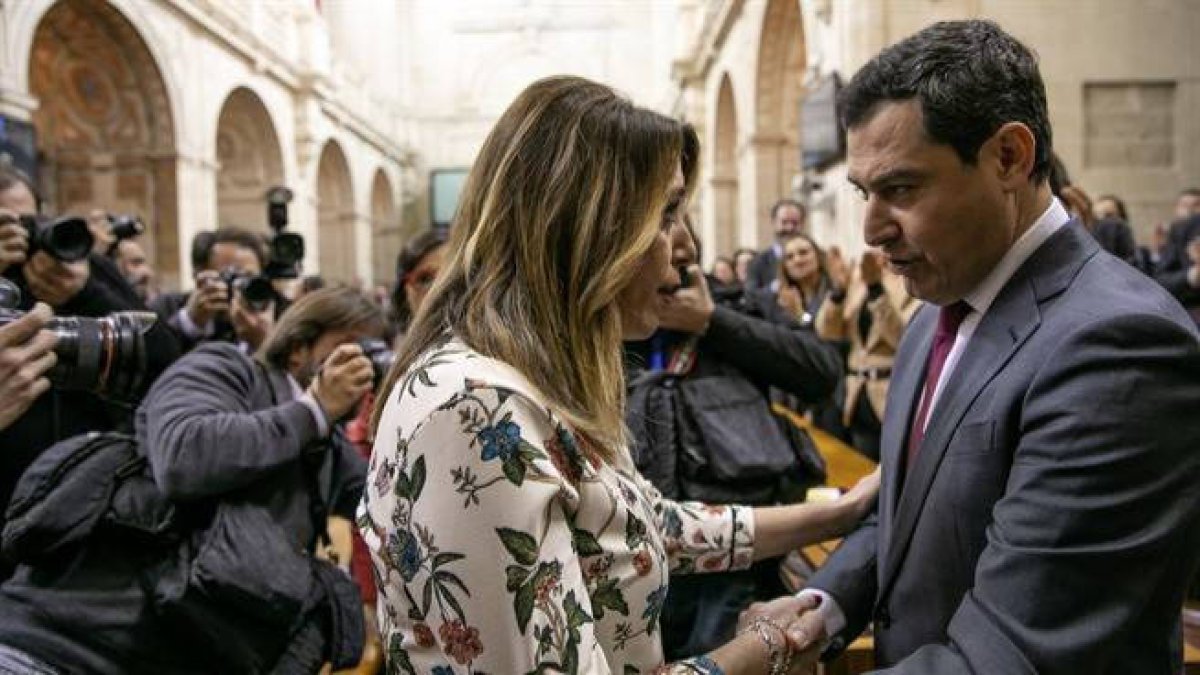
x,y
67,238
104,355
125,226
381,356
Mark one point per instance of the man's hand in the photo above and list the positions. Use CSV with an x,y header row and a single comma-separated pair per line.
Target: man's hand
x,y
837,268
251,326
803,627
871,267
53,281
25,356
210,299
14,240
690,308
344,378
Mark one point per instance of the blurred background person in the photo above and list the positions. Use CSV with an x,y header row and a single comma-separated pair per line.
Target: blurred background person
x,y
131,260
416,268
741,263
723,272
203,314
787,220
869,309
803,280
1179,269
1113,231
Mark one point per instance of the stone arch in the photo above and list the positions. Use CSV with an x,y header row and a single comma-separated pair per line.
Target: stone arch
x,y
335,215
250,160
778,93
385,229
724,179
105,130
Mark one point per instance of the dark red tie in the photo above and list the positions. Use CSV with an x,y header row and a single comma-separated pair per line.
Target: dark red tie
x,y
949,319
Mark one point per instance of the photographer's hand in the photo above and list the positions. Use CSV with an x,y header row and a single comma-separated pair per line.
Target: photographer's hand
x,y
25,356
55,282
210,299
14,240
251,327
344,378
690,308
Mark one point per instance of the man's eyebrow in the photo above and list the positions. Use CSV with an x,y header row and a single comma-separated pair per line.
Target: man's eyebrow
x,y
893,176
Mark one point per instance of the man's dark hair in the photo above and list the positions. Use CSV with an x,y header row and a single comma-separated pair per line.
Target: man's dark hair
x,y
1190,192
303,323
969,77
237,236
788,202
10,177
410,257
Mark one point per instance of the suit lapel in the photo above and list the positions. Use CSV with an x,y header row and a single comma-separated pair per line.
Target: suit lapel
x,y
1008,323
903,393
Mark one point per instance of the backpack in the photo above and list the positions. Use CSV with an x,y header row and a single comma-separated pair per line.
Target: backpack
x,y
227,576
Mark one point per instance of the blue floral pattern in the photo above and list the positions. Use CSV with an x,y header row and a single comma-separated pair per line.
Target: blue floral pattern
x,y
502,544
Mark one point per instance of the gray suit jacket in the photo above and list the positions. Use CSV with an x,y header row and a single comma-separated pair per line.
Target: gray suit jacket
x,y
1051,521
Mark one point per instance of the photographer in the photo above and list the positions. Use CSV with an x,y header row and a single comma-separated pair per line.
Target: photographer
x,y
25,356
699,414
206,313
90,287
242,433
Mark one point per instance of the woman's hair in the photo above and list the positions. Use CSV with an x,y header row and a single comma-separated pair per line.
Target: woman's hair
x,y
303,323
1122,213
822,270
566,197
414,252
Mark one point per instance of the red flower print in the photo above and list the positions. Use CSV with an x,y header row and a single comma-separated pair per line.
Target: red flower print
x,y
423,635
642,562
460,641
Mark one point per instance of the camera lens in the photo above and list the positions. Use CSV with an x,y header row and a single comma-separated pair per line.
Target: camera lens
x,y
258,292
67,239
106,355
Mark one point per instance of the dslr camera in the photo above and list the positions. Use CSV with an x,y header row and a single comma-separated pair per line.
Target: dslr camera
x,y
381,356
106,355
285,253
67,238
125,226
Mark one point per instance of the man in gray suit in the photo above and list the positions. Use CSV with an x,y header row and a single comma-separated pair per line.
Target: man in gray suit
x,y
1040,510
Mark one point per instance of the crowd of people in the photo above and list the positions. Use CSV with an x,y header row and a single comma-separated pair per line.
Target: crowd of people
x,y
556,445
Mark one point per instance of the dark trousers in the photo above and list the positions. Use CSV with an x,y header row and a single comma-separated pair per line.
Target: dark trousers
x,y
865,428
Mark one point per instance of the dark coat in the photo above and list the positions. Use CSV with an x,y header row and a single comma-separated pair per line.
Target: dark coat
x,y
763,269
1050,522
1174,265
749,348
210,432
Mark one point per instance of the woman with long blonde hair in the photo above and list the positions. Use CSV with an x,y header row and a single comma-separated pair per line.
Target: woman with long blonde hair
x,y
508,529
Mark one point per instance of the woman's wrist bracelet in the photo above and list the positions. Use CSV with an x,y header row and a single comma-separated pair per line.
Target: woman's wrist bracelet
x,y
773,636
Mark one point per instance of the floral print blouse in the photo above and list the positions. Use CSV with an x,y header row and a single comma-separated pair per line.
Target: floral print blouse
x,y
501,545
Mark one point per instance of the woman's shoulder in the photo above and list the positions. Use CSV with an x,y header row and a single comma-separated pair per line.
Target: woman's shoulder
x,y
449,369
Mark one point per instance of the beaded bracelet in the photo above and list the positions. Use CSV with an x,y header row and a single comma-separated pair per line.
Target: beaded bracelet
x,y
779,650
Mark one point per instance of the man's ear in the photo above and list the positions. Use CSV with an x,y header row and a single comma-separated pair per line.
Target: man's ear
x,y
1013,151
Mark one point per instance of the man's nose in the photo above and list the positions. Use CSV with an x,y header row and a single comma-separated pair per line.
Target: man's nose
x,y
878,225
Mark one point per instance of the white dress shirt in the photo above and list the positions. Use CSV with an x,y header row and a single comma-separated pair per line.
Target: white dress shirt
x,y
980,300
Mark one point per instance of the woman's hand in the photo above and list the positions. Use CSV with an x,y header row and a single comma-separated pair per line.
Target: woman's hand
x,y
861,498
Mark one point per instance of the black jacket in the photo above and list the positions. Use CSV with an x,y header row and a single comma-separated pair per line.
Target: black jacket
x,y
750,347
1174,265
1116,237
763,270
62,414
210,432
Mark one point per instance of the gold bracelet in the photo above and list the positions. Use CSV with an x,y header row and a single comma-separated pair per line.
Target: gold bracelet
x,y
779,650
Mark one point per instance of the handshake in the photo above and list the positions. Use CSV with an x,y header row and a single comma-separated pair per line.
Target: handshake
x,y
790,629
